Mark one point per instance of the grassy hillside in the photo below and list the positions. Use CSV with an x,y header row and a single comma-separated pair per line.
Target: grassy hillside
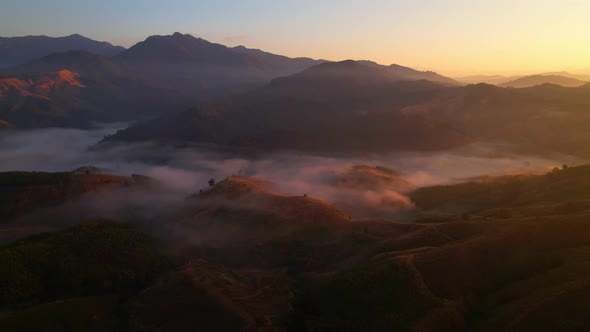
x,y
25,192
512,255
561,191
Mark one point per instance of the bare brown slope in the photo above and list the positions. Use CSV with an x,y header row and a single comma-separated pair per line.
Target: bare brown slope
x,y
252,194
5,125
41,86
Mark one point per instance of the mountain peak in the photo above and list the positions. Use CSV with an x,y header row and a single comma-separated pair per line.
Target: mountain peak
x,y
178,34
181,48
339,65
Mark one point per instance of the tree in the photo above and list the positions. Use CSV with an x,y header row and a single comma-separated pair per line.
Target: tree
x,y
565,166
211,182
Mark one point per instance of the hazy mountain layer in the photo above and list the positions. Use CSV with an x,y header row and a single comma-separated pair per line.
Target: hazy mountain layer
x,y
349,106
529,81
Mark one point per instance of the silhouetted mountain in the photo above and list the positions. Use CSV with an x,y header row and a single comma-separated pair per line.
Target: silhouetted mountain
x,y
581,77
333,80
164,72
184,49
406,73
18,50
332,106
37,94
203,69
349,106
519,80
528,81
487,79
279,62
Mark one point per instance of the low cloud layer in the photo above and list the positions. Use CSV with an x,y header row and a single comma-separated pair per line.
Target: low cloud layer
x,y
187,170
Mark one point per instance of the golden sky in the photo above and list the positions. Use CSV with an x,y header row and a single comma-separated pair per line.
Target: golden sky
x,y
453,37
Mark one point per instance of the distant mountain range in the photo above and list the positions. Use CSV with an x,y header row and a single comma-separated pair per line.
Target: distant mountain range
x,y
208,93
332,106
18,50
487,79
529,81
558,78
160,75
350,106
105,93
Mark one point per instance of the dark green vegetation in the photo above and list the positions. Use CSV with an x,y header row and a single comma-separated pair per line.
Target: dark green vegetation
x,y
66,280
89,259
559,192
494,254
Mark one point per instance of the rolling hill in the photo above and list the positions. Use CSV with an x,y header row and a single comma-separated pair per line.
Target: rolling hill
x,y
25,192
271,267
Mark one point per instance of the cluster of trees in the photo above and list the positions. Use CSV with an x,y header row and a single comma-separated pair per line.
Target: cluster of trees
x,y
92,258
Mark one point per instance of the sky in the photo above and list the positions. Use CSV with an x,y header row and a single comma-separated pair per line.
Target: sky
x,y
452,37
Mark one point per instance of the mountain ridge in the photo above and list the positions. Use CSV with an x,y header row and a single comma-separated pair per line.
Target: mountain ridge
x,y
533,80
18,50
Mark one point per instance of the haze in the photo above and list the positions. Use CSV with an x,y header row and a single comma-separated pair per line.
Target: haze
x,y
456,38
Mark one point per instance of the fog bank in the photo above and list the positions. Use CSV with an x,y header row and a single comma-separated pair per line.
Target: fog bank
x,y
186,170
